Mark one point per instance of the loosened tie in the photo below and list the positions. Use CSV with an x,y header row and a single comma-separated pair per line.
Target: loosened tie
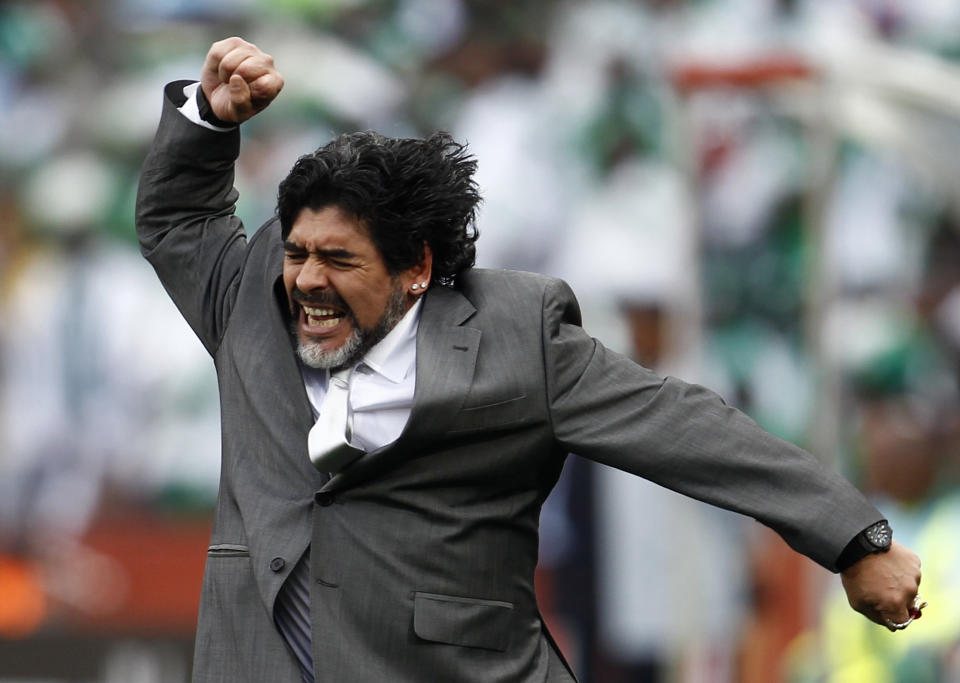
x,y
329,438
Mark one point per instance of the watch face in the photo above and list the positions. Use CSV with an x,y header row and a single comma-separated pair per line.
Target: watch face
x,y
880,535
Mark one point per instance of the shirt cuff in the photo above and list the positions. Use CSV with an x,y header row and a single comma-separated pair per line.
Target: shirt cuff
x,y
191,109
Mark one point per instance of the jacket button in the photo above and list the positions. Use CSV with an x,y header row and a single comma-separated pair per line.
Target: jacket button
x,y
324,498
277,564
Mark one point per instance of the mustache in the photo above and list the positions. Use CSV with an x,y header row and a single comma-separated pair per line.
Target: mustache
x,y
320,299
324,298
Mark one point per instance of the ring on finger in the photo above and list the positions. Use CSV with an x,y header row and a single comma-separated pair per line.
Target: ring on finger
x,y
900,625
918,604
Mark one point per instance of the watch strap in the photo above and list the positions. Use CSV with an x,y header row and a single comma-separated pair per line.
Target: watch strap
x,y
876,538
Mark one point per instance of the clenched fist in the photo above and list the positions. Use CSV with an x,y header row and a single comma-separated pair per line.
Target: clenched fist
x,y
239,80
883,587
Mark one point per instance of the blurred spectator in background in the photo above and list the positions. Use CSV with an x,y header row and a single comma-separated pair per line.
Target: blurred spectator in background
x,y
909,459
91,402
906,442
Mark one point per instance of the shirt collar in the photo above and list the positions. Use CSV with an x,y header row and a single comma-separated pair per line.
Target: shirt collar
x,y
395,355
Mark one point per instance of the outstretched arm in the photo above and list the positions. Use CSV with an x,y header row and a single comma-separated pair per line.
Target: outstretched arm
x,y
609,409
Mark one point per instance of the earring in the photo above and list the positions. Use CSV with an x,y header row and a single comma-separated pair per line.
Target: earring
x,y
414,286
423,285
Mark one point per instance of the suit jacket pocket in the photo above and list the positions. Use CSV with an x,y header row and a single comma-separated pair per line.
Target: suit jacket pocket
x,y
228,550
470,622
491,415
237,639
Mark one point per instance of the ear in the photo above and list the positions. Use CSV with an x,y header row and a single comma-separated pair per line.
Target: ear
x,y
417,278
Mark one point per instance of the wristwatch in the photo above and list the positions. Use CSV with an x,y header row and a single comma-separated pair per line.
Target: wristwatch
x,y
876,538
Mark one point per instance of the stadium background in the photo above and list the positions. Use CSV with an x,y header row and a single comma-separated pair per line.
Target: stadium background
x,y
757,195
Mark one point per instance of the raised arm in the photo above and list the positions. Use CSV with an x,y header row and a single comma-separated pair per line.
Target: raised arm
x,y
186,199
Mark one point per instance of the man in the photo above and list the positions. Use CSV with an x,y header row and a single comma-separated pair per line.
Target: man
x,y
409,553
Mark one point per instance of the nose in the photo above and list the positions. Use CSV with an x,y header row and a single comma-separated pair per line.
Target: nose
x,y
312,275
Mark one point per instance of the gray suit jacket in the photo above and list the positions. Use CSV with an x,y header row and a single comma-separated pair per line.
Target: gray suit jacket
x,y
423,552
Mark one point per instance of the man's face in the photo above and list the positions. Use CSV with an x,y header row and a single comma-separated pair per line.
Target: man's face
x,y
342,298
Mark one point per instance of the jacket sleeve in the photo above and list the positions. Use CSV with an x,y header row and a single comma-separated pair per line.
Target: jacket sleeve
x,y
185,217
607,408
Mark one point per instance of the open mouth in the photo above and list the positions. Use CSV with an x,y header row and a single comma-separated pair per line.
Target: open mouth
x,y
321,317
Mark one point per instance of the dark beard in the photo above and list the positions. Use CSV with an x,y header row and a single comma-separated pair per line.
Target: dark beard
x,y
360,340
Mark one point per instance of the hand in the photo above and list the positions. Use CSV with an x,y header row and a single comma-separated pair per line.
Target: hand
x,y
239,80
883,586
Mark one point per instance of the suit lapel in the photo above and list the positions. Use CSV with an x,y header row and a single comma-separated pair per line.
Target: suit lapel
x,y
446,358
291,379
274,379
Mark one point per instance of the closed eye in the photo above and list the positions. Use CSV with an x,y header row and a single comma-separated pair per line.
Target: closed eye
x,y
293,252
341,264
341,259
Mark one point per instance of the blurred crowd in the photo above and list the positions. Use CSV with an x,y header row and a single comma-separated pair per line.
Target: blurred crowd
x,y
757,195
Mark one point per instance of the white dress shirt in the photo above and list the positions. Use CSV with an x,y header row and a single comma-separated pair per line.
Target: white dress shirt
x,y
381,385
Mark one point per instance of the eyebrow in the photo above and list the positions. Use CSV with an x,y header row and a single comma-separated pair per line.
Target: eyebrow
x,y
339,253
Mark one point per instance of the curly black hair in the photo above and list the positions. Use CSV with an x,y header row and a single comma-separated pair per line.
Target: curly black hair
x,y
407,192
